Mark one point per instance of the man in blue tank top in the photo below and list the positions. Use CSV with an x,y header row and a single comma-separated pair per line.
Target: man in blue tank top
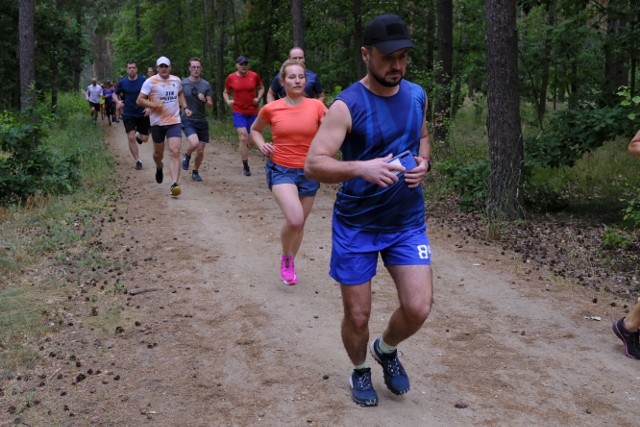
x,y
379,207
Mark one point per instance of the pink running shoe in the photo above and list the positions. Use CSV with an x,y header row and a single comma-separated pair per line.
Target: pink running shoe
x,y
287,271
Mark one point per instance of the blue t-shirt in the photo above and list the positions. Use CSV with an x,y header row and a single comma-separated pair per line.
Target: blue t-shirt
x,y
312,87
108,99
131,89
380,126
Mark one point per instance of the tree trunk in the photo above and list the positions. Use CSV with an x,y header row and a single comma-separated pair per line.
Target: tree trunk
x,y
27,52
138,16
431,38
506,150
359,68
220,24
53,64
445,70
209,50
298,23
634,51
102,54
574,86
544,84
616,56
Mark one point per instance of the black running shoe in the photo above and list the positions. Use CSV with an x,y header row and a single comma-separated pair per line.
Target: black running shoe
x,y
138,165
138,140
246,171
196,176
185,162
159,174
629,339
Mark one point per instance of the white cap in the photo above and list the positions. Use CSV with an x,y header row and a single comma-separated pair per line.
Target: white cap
x,y
163,60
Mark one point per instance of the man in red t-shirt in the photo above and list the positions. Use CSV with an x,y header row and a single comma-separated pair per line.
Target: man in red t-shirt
x,y
246,89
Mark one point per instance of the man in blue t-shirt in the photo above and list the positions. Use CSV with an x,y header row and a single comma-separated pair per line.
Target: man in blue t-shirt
x,y
135,118
379,208
312,89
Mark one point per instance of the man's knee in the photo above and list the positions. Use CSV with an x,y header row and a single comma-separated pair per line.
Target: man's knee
x,y
418,310
174,148
358,320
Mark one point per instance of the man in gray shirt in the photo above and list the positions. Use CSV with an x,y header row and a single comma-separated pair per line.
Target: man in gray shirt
x,y
197,92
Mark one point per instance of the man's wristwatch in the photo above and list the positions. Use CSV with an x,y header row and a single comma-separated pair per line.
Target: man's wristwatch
x,y
428,163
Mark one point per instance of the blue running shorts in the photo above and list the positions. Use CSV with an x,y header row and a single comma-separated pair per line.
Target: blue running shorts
x,y
277,174
199,127
354,253
243,121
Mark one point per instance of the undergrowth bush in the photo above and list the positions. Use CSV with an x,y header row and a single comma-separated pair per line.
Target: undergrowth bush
x,y
469,181
572,133
44,236
29,167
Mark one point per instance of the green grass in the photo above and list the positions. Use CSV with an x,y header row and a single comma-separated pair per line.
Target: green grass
x,y
44,237
598,182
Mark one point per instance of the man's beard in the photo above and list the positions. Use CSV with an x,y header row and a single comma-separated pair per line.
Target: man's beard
x,y
384,82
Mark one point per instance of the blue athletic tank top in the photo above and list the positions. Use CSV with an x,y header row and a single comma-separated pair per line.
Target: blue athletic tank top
x,y
131,89
380,126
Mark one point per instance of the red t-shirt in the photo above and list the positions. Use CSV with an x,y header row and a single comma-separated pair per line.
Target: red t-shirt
x,y
293,128
245,89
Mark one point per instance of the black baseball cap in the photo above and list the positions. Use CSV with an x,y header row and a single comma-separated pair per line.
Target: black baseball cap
x,y
242,60
388,33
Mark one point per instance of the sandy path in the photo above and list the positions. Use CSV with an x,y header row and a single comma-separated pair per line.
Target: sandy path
x,y
223,342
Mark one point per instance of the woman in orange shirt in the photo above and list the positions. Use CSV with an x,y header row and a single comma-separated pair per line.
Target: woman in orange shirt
x,y
294,121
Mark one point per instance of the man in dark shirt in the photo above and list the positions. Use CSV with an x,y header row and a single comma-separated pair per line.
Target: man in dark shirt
x,y
312,89
135,118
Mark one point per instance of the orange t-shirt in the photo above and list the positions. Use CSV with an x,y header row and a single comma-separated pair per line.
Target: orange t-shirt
x,y
292,127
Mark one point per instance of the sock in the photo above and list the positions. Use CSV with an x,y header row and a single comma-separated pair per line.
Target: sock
x,y
358,368
384,347
245,163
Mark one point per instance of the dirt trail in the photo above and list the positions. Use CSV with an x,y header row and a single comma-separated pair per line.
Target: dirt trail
x,y
223,342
